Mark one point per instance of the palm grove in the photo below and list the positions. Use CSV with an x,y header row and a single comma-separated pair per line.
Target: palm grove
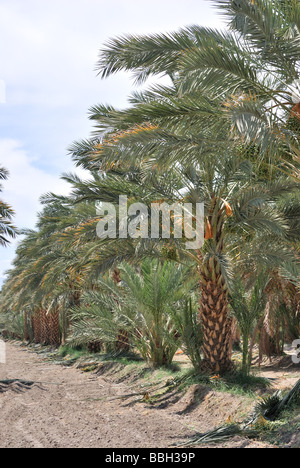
x,y
224,132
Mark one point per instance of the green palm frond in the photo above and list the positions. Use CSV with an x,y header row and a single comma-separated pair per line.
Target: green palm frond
x,y
7,229
154,54
272,407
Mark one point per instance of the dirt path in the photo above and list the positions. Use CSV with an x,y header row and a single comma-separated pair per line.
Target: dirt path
x,y
59,416
54,416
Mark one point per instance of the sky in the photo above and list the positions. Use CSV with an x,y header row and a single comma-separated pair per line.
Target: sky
x,y
48,53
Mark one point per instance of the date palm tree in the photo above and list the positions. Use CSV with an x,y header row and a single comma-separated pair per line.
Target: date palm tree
x,y
57,263
211,135
248,307
231,93
242,221
227,111
42,284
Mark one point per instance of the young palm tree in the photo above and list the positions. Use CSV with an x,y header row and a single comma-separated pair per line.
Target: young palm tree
x,y
146,305
248,307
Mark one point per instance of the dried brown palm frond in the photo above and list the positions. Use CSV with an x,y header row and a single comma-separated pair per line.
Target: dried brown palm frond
x,y
269,409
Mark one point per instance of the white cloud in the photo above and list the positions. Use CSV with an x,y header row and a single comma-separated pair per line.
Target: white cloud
x,y
23,189
48,50
26,182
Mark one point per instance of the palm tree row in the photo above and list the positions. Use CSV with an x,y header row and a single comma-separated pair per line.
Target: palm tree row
x,y
225,133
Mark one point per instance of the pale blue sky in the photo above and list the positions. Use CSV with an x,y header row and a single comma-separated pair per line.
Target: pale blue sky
x,y
48,52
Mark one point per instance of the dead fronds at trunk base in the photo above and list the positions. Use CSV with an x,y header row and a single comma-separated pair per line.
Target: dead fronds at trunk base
x,y
269,409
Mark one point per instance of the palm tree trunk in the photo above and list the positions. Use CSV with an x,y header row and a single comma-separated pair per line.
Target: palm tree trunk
x,y
54,338
214,313
216,325
44,327
65,326
245,363
37,327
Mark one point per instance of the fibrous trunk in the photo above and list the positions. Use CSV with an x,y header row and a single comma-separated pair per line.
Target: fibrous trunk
x,y
214,313
46,327
217,343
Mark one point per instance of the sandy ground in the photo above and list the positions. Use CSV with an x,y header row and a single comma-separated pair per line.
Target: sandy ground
x,y
58,413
